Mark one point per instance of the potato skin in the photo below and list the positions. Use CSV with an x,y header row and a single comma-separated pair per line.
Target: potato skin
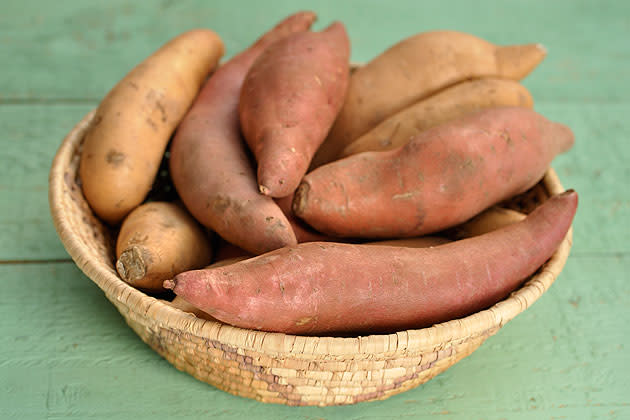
x,y
158,240
289,100
181,303
124,146
209,163
441,178
447,105
414,69
329,288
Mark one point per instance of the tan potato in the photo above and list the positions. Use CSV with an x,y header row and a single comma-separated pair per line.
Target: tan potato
x,y
157,241
416,68
448,104
124,146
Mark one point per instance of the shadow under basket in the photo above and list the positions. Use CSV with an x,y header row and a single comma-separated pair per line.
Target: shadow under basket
x,y
274,367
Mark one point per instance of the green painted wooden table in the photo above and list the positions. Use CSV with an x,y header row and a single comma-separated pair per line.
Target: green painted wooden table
x,y
65,352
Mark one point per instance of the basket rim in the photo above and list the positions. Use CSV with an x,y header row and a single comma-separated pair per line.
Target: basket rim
x,y
484,322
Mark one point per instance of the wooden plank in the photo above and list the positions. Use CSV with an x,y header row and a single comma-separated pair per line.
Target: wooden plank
x,y
65,352
30,136
73,50
597,168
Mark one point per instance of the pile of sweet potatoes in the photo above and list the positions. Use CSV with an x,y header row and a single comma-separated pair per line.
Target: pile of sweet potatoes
x,y
316,198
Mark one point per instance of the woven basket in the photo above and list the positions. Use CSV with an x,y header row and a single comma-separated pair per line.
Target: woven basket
x,y
273,367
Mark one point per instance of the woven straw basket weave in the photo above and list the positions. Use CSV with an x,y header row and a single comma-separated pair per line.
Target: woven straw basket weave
x,y
273,367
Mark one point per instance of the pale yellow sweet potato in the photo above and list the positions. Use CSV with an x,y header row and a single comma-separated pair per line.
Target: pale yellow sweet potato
x,y
448,104
416,68
158,240
125,143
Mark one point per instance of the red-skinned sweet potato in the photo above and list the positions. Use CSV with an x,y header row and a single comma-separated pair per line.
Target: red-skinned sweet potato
x,y
305,233
441,178
329,288
181,303
289,100
209,163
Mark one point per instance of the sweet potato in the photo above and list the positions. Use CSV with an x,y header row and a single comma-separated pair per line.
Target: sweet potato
x,y
125,143
181,303
304,233
209,163
329,288
289,100
158,240
441,178
416,68
449,104
491,219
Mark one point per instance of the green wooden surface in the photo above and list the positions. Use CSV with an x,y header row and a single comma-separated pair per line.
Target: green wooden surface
x,y
65,352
